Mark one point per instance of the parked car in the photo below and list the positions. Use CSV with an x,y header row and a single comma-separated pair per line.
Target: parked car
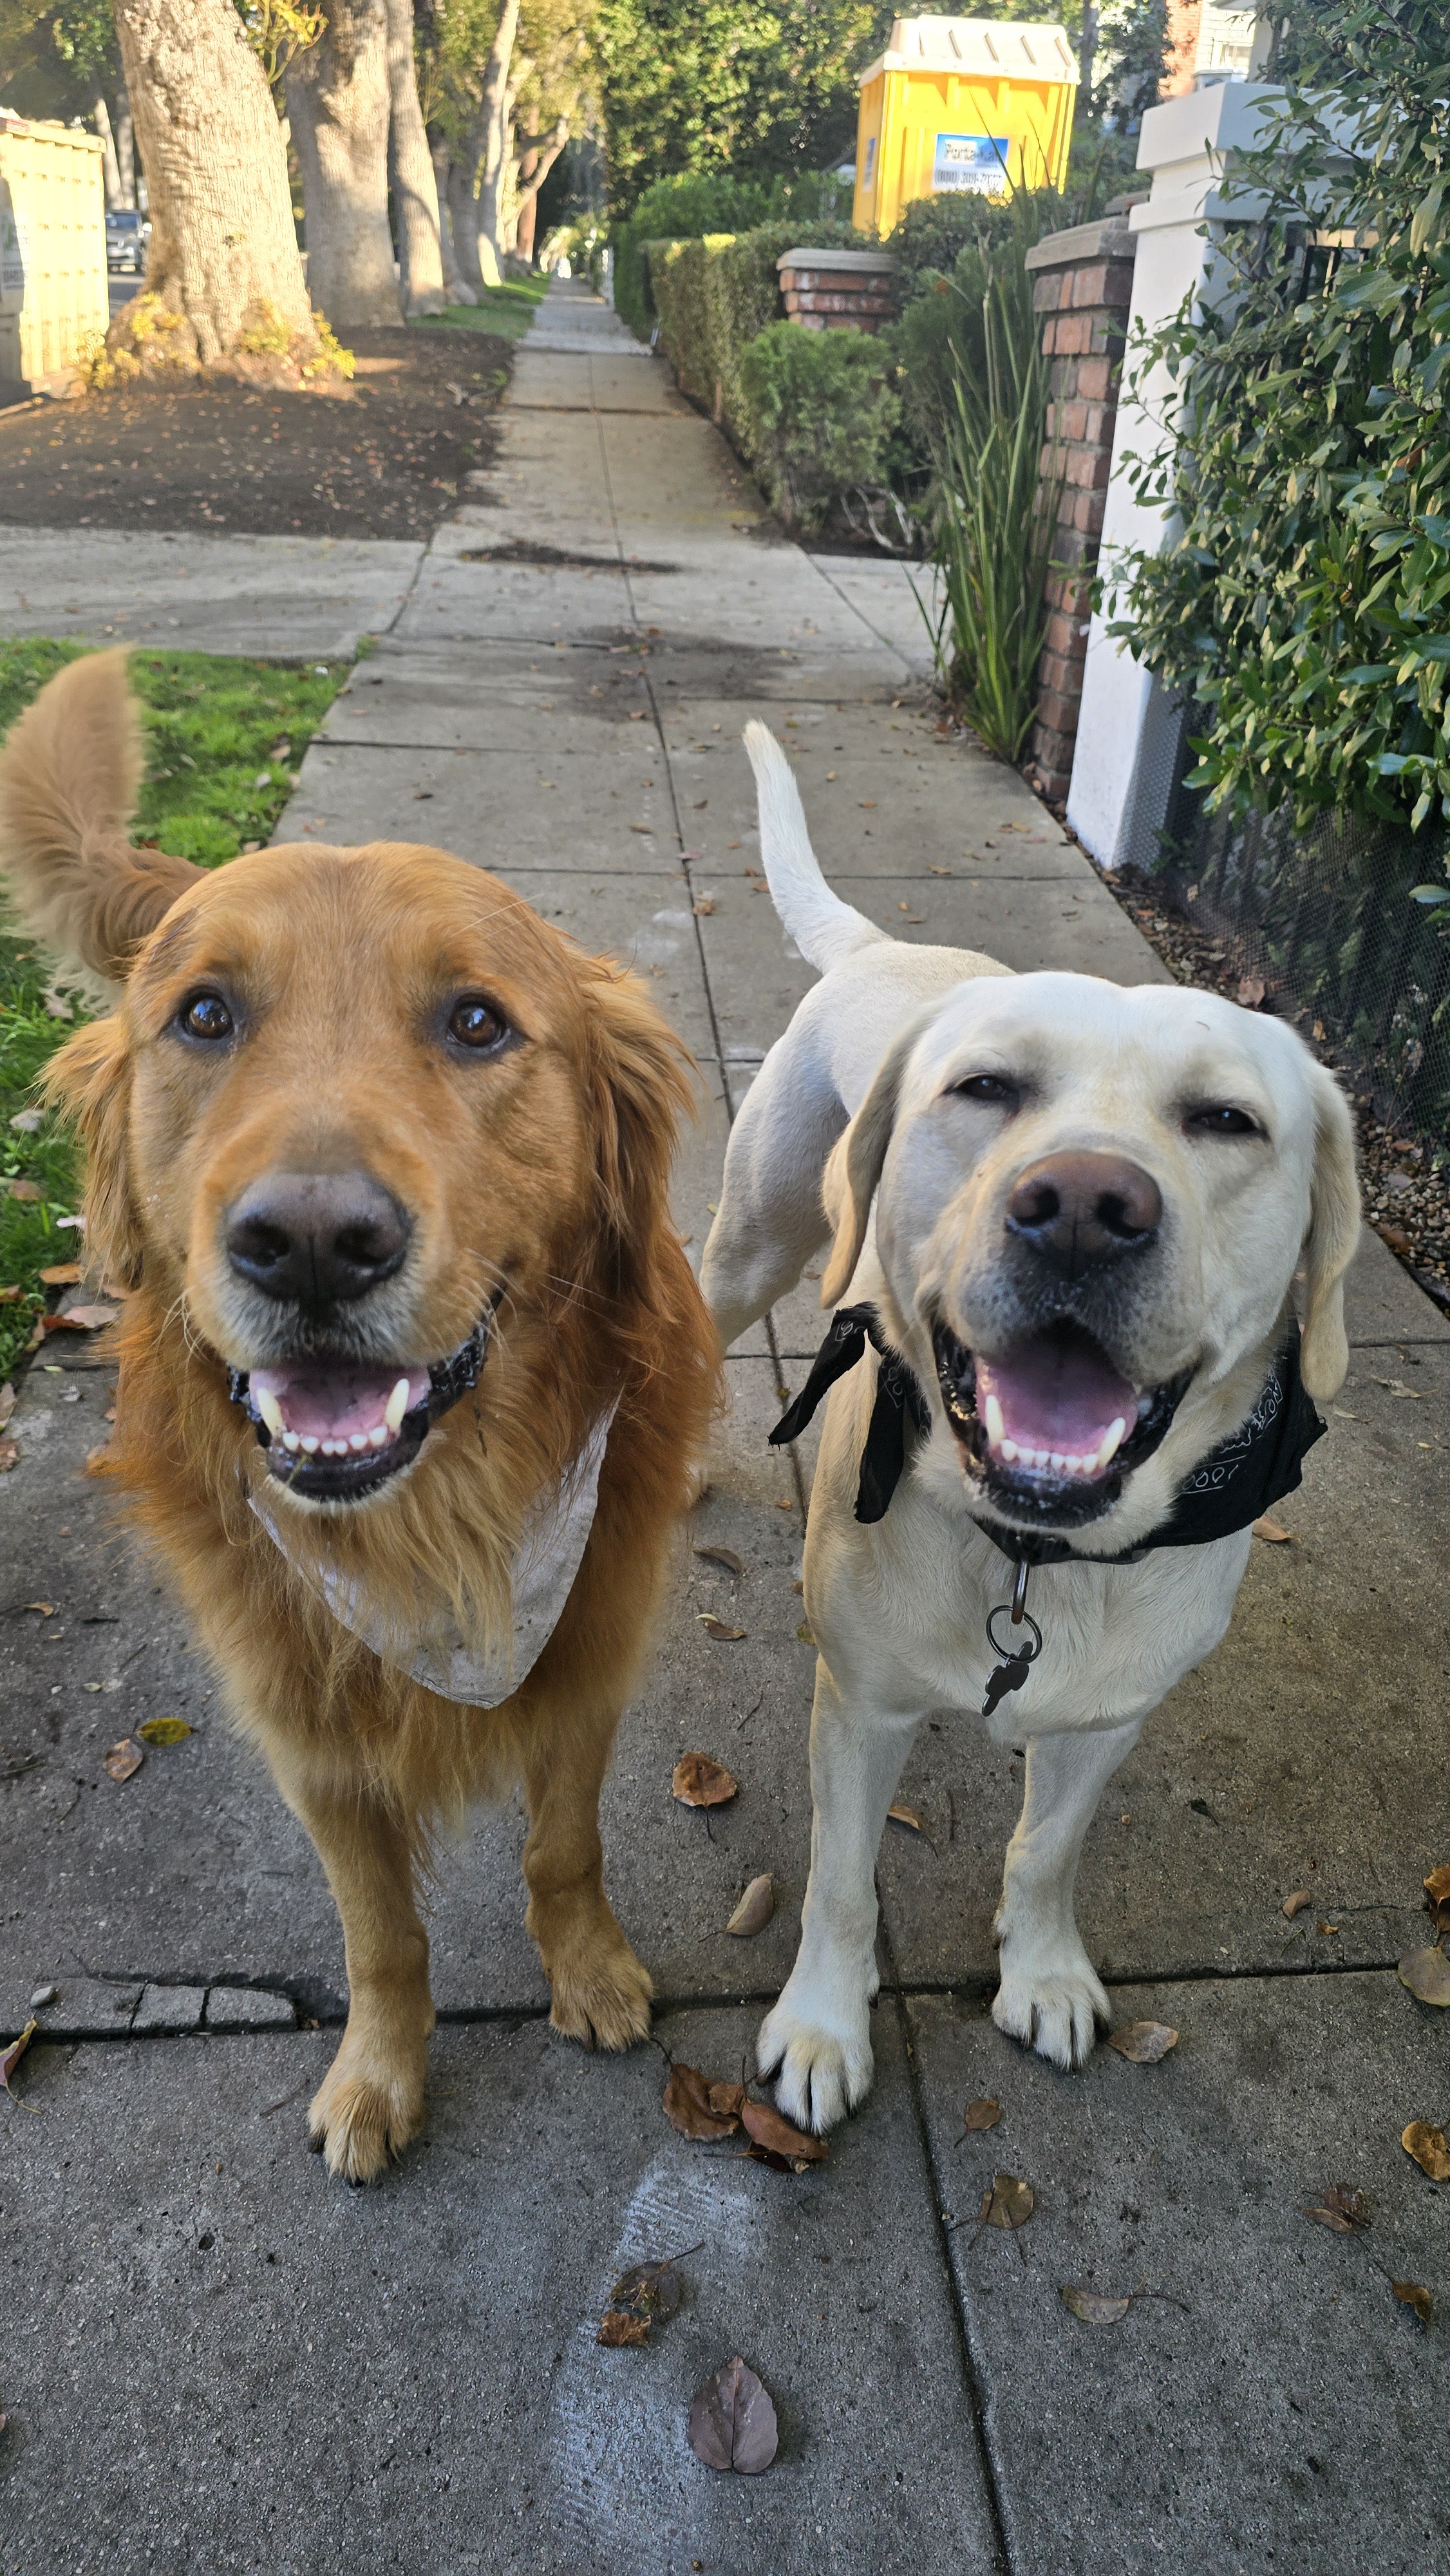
x,y
127,234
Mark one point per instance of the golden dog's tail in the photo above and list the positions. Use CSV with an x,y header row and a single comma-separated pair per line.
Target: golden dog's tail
x,y
70,772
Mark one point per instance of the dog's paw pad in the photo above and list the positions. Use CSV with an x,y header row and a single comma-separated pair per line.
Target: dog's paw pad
x,y
1054,2010
359,2122
607,2003
821,2074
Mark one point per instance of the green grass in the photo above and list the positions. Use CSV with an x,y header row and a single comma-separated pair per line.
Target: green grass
x,y
213,727
506,310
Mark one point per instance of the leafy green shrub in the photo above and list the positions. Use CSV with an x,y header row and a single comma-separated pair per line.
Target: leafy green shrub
x,y
679,209
714,297
822,409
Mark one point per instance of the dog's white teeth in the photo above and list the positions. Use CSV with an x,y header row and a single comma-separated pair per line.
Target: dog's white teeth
x,y
310,1444
396,1407
334,1448
377,1435
1057,1461
359,1440
1073,1465
290,1439
271,1413
1008,1451
996,1427
1111,1443
1040,1457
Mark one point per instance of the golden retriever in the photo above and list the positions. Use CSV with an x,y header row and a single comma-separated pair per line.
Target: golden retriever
x,y
381,1161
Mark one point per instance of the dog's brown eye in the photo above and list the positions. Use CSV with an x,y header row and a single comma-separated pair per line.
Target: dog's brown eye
x,y
475,1023
993,1089
206,1016
1218,1119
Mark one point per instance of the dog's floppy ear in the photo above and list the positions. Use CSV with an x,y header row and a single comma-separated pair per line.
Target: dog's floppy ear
x,y
69,776
90,1079
848,1184
640,1084
1330,1242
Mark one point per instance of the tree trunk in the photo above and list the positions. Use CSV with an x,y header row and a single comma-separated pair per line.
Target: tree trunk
x,y
463,208
110,166
338,104
528,208
126,151
456,289
495,110
415,190
223,259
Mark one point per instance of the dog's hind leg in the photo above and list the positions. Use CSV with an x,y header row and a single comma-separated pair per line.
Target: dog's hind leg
x,y
370,2102
771,1218
1050,1996
601,1992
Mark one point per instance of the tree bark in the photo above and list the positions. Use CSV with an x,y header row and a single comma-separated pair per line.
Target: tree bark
x,y
463,210
539,159
126,151
110,165
339,108
495,111
415,190
223,256
455,287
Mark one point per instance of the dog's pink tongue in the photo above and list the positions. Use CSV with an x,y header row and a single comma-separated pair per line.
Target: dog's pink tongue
x,y
1056,1395
332,1404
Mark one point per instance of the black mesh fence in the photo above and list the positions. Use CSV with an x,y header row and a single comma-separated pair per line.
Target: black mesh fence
x,y
1325,919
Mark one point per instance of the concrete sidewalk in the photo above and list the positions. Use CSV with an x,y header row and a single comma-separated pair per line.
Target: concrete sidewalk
x,y
212,2357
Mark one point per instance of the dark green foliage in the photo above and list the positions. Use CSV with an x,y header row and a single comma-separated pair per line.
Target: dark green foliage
x,y
1305,604
822,408
713,297
690,207
212,725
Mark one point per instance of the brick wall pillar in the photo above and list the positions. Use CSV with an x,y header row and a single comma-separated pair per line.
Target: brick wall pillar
x,y
1083,286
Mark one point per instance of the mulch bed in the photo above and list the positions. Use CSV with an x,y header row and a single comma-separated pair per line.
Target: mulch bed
x,y
384,457
1406,1199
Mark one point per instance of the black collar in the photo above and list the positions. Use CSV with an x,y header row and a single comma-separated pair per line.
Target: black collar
x,y
1256,1466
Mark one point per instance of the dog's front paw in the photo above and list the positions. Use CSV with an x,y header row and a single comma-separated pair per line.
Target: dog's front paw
x,y
601,1992
367,2107
822,2051
1050,1999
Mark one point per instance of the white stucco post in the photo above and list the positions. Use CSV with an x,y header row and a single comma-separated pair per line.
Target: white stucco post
x,y
1128,731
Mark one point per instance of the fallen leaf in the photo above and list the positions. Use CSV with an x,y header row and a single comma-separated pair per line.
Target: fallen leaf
x,y
725,1556
10,2056
1008,2203
649,2290
7,1407
88,1319
164,1730
1251,991
981,2114
1437,1885
9,1295
768,2128
688,2106
1326,1928
901,1815
732,2422
1296,1903
617,2328
1339,2208
867,804
805,1632
754,1910
23,1189
1273,1531
61,1274
699,1782
1094,2307
1143,2042
124,1759
1416,2296
719,1628
1427,1974
1428,2148
704,903
9,1452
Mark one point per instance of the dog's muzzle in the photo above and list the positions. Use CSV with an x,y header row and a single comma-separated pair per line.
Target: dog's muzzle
x,y
334,1432
1050,1429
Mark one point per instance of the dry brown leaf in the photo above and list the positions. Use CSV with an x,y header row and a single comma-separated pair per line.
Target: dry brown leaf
x,y
768,2128
1339,2208
1429,2149
981,2114
1327,1928
618,2329
754,1910
699,1782
1273,1531
1008,2203
61,1274
1427,1974
1094,2307
688,2106
1437,1885
124,1759
86,1319
719,1628
10,1294
9,1453
1251,991
11,2055
1416,2296
7,1403
732,2421
1143,2042
725,1556
30,1190
704,903
1296,1903
806,1634
649,2290
902,1815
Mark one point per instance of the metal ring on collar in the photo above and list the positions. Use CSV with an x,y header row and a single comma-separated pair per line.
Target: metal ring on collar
x,y
1013,1653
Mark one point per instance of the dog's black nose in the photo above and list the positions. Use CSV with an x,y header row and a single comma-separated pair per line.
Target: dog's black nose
x,y
1082,1211
316,1238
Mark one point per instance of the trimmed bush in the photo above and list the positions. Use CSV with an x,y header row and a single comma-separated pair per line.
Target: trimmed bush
x,y
678,209
713,297
822,409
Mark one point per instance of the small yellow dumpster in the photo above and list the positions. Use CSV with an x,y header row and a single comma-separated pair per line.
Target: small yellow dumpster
x,y
52,253
957,104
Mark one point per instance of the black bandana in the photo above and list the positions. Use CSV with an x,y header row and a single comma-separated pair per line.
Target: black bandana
x,y
1256,1466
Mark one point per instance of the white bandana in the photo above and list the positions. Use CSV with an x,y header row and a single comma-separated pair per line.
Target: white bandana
x,y
548,1556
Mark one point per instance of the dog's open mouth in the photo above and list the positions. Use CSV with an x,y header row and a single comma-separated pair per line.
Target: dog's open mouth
x,y
335,1430
1050,1428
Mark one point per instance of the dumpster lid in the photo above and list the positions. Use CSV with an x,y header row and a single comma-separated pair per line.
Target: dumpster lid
x,y
990,47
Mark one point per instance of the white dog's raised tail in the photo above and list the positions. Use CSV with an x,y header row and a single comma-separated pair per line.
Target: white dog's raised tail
x,y
824,929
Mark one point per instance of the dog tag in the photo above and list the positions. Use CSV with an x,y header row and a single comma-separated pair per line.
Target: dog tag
x,y
1007,1676
1012,1671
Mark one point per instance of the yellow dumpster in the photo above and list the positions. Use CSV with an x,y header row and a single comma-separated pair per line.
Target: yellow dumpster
x,y
52,253
957,104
